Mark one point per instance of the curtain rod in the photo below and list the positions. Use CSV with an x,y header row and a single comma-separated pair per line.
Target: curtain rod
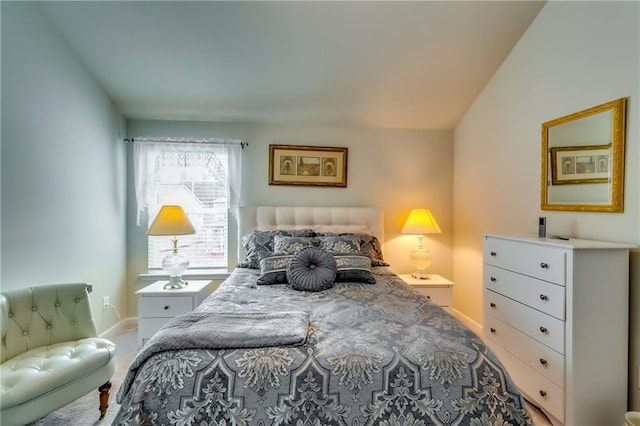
x,y
213,141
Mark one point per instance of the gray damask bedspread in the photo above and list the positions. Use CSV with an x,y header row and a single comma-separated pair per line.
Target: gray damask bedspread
x,y
378,354
194,330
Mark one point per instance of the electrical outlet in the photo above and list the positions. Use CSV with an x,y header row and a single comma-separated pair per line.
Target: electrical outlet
x,y
105,303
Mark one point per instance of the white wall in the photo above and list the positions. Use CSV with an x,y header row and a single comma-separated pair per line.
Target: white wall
x,y
396,170
575,55
63,167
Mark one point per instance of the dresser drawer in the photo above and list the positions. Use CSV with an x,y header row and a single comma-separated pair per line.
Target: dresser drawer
x,y
439,295
541,262
541,295
164,306
539,357
535,386
542,327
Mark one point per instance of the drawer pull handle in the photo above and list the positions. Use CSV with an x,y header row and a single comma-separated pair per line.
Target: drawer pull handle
x,y
544,265
543,361
543,393
493,305
543,329
544,297
428,297
166,307
493,279
493,253
493,330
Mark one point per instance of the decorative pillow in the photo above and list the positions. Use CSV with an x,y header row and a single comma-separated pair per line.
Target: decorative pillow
x,y
290,245
311,269
339,243
353,268
273,269
369,245
262,242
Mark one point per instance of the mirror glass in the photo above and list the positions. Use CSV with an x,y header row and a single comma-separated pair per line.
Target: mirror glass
x,y
583,160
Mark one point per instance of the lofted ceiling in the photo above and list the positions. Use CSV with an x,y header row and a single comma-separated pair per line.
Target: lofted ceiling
x,y
416,65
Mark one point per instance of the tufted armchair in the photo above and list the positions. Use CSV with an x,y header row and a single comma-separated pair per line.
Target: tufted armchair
x,y
50,353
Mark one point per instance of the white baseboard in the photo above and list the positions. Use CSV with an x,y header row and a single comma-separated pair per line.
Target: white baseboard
x,y
127,324
473,325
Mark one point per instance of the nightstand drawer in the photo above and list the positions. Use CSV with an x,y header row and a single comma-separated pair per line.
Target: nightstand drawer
x,y
164,306
435,288
439,295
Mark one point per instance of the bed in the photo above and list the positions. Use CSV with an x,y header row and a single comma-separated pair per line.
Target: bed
x,y
356,353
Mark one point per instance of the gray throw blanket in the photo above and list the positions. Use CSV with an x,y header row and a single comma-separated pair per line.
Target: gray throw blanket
x,y
219,331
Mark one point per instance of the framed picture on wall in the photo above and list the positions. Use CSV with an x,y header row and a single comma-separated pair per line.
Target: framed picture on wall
x,y
580,164
307,165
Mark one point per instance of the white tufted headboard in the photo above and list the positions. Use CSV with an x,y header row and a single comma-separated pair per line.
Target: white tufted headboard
x,y
321,219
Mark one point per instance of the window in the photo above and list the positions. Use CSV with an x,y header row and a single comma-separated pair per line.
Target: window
x,y
198,177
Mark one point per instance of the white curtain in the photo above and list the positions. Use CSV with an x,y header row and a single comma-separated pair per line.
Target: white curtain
x,y
146,154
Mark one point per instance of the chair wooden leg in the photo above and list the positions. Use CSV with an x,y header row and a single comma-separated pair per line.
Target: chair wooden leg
x,y
104,398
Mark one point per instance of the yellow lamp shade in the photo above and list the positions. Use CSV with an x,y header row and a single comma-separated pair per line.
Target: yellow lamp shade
x,y
171,220
420,222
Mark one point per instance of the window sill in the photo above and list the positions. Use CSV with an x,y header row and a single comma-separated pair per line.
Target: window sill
x,y
192,274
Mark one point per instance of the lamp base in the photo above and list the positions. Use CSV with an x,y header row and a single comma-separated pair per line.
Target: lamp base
x,y
175,283
175,264
420,258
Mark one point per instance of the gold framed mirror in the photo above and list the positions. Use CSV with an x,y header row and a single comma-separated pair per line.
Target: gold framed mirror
x,y
583,160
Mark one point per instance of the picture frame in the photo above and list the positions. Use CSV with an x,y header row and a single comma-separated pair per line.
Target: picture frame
x,y
308,165
580,164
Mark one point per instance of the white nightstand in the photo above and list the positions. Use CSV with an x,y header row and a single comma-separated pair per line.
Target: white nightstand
x,y
436,288
156,306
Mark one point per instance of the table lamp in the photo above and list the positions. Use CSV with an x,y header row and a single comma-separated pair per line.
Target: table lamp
x,y
172,220
420,222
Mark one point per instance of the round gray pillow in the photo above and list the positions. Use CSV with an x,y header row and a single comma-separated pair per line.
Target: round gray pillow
x,y
311,269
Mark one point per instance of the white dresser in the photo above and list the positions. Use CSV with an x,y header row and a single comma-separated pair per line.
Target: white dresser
x,y
556,314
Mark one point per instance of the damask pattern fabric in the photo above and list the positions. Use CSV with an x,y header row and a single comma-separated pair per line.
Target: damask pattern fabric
x,y
261,242
369,245
354,268
192,330
273,269
290,245
339,243
375,355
